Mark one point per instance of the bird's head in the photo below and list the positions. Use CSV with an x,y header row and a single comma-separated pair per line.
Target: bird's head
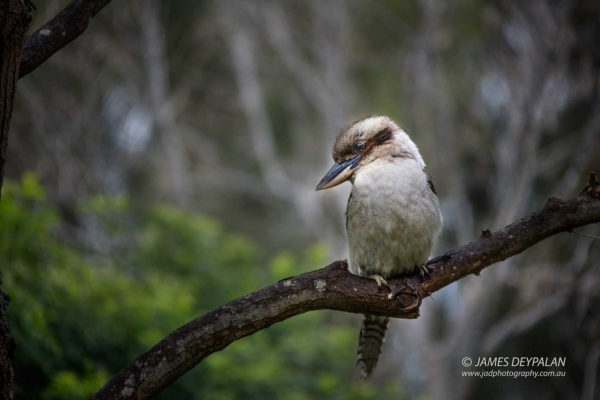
x,y
364,141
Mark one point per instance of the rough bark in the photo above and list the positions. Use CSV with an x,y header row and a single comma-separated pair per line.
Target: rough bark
x,y
7,352
14,21
333,287
58,32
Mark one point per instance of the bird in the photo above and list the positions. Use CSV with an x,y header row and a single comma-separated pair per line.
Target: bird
x,y
393,216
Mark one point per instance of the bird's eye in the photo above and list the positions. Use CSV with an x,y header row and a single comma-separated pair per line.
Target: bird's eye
x,y
359,146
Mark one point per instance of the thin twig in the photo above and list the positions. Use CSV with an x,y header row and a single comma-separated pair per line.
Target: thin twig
x,y
585,234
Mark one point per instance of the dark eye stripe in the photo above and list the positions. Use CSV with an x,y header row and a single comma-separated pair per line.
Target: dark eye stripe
x,y
345,152
379,139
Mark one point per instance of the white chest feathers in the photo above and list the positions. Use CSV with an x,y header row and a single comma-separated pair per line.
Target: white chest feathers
x,y
393,218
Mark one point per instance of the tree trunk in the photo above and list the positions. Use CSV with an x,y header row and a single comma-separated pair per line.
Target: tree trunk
x,y
7,352
14,21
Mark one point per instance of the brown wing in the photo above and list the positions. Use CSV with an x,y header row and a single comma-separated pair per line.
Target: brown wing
x,y
430,182
348,205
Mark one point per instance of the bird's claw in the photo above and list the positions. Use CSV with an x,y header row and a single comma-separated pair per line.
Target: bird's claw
x,y
402,289
379,280
409,285
423,270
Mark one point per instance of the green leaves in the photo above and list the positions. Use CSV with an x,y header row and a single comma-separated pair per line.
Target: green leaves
x,y
81,313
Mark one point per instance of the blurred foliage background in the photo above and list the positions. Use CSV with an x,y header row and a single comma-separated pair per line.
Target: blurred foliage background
x,y
164,163
79,319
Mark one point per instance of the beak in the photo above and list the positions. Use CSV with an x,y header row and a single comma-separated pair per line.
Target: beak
x,y
339,173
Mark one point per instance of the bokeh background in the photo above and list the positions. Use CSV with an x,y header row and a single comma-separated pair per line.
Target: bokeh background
x,y
165,163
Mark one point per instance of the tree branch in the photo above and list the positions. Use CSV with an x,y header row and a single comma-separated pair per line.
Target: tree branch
x,y
334,288
58,32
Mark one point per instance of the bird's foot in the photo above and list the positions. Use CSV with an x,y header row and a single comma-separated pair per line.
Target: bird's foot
x,y
406,286
379,280
423,270
409,285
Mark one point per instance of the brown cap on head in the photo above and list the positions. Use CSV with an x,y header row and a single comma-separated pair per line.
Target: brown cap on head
x,y
362,135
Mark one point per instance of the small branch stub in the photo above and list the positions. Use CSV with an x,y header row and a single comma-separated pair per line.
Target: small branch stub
x,y
593,187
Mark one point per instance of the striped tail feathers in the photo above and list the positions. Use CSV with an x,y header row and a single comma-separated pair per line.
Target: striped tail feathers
x,y
370,343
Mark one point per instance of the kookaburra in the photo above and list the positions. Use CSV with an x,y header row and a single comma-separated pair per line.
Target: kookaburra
x,y
393,216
